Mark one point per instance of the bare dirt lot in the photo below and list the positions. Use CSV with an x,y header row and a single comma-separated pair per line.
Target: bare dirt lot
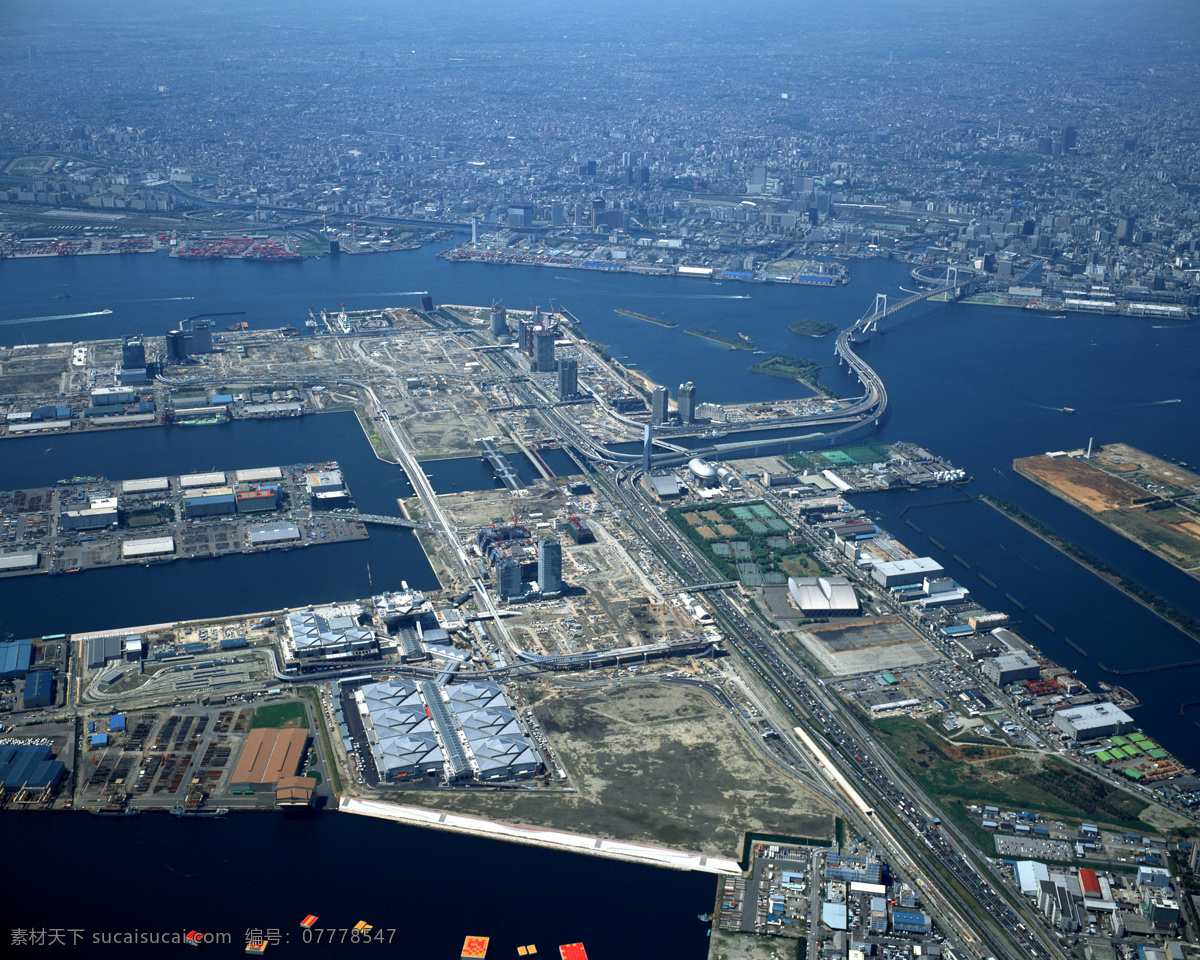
x,y
1082,482
653,763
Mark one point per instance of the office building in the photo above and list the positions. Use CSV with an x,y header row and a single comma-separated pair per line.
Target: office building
x,y
568,378
499,321
544,351
177,347
508,578
201,335
133,352
687,402
659,407
550,567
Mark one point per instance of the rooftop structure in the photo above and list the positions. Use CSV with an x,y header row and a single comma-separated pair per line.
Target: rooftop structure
x,y
1092,721
902,573
269,755
823,596
15,658
311,635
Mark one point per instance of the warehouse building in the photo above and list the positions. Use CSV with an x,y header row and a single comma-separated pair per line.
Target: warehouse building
x,y
15,658
102,512
106,396
190,481
823,596
23,560
208,502
148,485
255,501
259,475
38,690
263,535
148,547
1093,721
28,766
269,755
1011,669
903,573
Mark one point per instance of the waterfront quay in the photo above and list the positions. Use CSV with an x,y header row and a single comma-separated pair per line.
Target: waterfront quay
x,y
83,522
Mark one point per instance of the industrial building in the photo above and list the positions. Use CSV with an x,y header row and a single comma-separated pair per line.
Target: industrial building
x,y
22,560
106,396
101,513
266,534
255,501
102,650
148,547
259,475
189,481
823,596
209,502
903,573
28,766
326,488
38,690
270,754
399,730
498,748
1011,669
1093,721
15,658
147,485
329,635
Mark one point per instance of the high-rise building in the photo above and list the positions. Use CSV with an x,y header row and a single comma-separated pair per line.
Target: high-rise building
x,y
176,347
133,353
508,578
201,335
525,336
568,378
647,448
659,406
550,567
687,402
499,325
544,351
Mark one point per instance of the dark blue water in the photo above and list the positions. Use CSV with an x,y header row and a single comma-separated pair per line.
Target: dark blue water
x,y
978,385
266,871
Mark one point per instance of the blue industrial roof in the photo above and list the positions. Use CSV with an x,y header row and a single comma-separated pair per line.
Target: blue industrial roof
x,y
29,765
14,658
908,916
219,398
116,721
37,684
99,739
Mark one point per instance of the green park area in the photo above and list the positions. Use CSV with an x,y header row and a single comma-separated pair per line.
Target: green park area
x,y
280,715
793,368
747,542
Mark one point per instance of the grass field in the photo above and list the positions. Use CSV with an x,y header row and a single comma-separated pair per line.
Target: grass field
x,y
280,715
971,773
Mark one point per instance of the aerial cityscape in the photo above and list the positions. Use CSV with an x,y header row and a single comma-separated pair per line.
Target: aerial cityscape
x,y
802,563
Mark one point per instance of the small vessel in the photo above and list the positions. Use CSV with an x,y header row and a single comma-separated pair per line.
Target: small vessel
x,y
1068,409
243,325
744,337
706,917
1059,316
63,296
127,812
179,810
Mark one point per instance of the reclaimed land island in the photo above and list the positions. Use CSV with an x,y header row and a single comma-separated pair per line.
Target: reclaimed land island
x,y
1143,498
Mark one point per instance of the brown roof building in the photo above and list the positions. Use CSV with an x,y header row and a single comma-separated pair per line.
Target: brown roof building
x,y
295,791
270,755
